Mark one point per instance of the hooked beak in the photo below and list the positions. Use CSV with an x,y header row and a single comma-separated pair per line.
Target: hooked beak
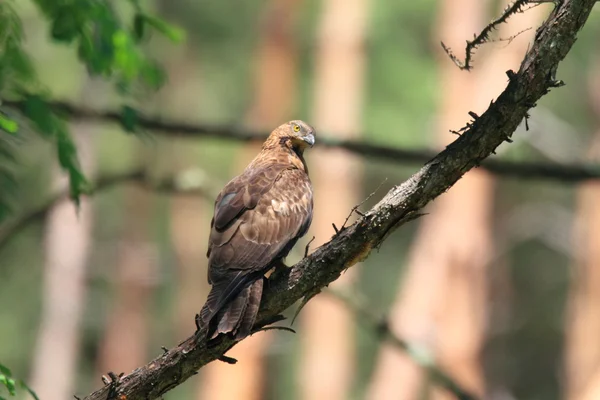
x,y
310,139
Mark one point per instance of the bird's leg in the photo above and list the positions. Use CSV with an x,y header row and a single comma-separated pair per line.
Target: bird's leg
x,y
277,267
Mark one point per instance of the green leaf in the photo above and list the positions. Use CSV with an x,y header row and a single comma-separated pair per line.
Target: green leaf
x,y
37,110
138,26
153,75
8,125
126,57
30,390
65,26
40,113
67,157
5,371
174,33
9,383
129,118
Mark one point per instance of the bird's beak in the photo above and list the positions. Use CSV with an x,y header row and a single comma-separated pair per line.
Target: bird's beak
x,y
310,139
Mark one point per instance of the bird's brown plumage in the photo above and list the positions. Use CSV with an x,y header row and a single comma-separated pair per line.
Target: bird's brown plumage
x,y
258,217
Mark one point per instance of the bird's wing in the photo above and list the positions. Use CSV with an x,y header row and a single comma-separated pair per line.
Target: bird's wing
x,y
258,218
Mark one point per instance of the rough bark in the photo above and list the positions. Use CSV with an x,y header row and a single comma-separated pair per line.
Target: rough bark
x,y
400,205
327,359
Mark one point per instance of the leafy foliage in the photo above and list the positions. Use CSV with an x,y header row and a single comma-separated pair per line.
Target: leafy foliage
x,y
108,48
11,385
103,43
8,183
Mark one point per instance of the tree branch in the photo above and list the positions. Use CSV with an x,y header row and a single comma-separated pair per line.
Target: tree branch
x,y
484,35
402,204
208,191
522,170
171,185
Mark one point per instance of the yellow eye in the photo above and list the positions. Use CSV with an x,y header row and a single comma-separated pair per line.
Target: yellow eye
x,y
296,128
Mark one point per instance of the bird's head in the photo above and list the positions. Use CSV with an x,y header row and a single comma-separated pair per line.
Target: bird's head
x,y
297,135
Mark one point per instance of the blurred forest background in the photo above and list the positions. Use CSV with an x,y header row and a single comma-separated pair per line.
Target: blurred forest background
x,y
499,285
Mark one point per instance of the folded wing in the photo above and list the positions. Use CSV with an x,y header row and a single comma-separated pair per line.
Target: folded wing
x,y
258,218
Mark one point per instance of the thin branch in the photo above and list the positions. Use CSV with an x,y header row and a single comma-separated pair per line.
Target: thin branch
x,y
170,185
535,78
572,173
418,354
510,39
484,35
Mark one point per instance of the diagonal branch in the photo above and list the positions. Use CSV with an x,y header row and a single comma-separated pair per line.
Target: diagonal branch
x,y
572,173
207,190
402,204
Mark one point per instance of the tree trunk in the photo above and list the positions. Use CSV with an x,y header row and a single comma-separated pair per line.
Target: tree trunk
x,y
274,101
583,317
189,215
442,301
67,242
125,342
328,353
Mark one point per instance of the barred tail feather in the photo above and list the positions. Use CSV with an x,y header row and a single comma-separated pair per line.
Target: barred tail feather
x,y
226,312
251,311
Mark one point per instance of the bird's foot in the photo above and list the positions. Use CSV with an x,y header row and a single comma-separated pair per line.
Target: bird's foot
x,y
277,268
280,266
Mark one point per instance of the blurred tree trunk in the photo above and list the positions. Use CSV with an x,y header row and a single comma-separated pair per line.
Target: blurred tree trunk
x,y
583,317
442,302
190,225
125,342
328,348
67,244
275,93
448,225
189,221
189,216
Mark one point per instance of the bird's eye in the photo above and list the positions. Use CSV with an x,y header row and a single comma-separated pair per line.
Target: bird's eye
x,y
296,128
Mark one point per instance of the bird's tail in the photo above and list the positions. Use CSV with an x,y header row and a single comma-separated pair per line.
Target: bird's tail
x,y
237,315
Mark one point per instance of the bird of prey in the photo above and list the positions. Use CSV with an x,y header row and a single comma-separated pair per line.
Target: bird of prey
x,y
258,217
